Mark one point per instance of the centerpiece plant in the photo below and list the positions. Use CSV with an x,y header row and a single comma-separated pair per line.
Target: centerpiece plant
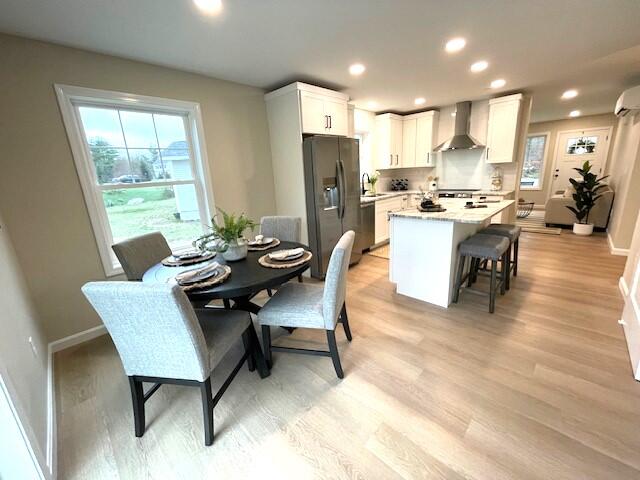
x,y
227,237
585,197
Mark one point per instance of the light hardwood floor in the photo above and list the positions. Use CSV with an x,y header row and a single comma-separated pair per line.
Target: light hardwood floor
x,y
542,389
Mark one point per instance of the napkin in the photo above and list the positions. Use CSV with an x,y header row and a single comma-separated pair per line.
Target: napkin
x,y
189,274
284,254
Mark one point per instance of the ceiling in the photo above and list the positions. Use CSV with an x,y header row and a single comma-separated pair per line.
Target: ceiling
x,y
541,46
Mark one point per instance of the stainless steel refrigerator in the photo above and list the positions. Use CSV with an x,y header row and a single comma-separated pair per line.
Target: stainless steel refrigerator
x,y
332,188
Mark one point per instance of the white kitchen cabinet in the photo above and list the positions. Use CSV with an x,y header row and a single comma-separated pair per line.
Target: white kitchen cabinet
x,y
502,130
426,136
383,208
409,127
388,141
324,114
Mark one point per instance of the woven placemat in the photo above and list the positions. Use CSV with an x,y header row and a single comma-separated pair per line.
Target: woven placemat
x,y
259,248
265,261
209,282
170,261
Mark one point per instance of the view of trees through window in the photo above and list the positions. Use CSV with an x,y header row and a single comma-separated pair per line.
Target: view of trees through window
x,y
132,148
533,162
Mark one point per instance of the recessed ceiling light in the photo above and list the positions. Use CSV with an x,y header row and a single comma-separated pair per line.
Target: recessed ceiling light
x,y
570,94
479,66
420,101
210,7
499,83
357,69
372,105
574,113
455,45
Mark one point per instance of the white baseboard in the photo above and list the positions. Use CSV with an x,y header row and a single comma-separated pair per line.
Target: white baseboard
x,y
52,430
624,289
77,338
614,250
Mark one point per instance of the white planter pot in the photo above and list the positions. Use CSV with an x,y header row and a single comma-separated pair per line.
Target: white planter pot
x,y
236,250
583,228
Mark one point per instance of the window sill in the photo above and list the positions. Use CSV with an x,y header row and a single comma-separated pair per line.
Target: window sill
x,y
532,189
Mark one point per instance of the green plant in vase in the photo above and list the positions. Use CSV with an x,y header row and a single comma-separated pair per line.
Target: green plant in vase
x,y
373,180
227,237
585,197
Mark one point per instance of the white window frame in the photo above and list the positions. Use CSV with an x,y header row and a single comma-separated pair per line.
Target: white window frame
x,y
545,159
70,97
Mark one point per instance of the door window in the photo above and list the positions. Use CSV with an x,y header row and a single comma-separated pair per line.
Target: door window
x,y
581,145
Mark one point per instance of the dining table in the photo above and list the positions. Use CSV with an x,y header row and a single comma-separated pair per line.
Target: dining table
x,y
247,279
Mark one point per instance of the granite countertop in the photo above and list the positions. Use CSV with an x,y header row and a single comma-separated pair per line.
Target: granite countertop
x,y
494,192
455,212
383,195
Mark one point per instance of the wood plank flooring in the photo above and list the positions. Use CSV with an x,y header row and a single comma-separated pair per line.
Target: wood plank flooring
x,y
542,389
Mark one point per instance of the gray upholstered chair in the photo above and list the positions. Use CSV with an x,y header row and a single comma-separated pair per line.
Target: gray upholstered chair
x,y
139,254
303,305
161,339
283,228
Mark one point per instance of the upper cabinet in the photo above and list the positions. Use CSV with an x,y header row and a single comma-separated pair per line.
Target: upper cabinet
x,y
406,141
324,112
503,129
388,141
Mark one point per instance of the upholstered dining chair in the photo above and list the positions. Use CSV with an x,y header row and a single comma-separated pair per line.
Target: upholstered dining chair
x,y
304,305
161,339
283,228
139,254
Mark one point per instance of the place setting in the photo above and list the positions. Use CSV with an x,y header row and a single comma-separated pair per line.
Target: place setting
x,y
192,257
285,258
261,243
205,277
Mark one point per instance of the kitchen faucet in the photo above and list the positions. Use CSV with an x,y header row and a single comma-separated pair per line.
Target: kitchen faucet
x,y
364,190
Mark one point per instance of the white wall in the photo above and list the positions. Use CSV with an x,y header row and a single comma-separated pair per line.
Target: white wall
x,y
23,372
625,181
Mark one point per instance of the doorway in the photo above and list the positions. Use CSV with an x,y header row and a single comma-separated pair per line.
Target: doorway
x,y
575,147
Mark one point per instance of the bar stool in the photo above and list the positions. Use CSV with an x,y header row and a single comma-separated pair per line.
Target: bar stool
x,y
483,247
512,232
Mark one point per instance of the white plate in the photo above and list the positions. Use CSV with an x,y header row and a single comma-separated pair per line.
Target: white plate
x,y
280,257
205,274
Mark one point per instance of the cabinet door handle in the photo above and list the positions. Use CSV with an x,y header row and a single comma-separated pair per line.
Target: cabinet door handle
x,y
397,161
428,158
329,122
390,159
487,153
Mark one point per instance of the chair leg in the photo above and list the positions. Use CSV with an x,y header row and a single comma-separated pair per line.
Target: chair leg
x,y
266,343
515,257
345,321
300,279
492,286
504,273
207,410
226,303
269,292
335,356
248,347
472,268
508,279
137,398
456,293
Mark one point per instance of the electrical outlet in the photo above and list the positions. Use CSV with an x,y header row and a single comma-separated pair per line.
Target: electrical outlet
x,y
33,347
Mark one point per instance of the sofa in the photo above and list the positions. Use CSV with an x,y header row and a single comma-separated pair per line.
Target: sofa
x,y
556,213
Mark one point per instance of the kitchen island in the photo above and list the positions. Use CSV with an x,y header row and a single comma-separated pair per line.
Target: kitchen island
x,y
424,247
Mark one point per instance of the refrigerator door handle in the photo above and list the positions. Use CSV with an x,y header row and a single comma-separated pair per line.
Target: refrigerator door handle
x,y
343,182
340,178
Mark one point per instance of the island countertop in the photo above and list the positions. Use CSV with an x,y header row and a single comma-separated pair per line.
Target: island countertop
x,y
455,212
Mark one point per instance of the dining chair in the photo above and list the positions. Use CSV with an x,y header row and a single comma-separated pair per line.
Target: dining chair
x,y
304,305
139,254
283,228
161,339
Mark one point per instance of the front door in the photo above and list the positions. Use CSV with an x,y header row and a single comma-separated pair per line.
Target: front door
x,y
573,149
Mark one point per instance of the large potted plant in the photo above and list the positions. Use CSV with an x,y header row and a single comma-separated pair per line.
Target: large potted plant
x,y
585,197
227,238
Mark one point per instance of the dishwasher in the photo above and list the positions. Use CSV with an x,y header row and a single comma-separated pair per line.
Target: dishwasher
x,y
367,226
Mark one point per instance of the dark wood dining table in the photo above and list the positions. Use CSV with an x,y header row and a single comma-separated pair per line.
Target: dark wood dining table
x,y
247,279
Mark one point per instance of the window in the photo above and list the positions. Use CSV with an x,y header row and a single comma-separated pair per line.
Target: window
x,y
534,157
581,145
142,166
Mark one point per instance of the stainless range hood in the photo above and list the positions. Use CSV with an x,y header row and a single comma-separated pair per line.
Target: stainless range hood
x,y
461,139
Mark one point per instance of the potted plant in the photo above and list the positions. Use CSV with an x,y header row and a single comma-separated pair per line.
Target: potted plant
x,y
585,196
227,238
372,181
